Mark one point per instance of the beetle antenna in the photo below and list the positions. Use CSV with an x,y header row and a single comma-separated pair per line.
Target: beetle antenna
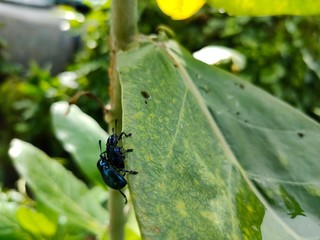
x,y
116,126
100,147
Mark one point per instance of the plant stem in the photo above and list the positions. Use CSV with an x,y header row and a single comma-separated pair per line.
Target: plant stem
x,y
122,35
123,23
123,31
117,218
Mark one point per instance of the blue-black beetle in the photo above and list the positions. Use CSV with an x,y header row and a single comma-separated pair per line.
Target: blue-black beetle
x,y
111,175
115,153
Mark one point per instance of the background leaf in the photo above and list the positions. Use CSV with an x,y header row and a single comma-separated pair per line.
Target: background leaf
x,y
9,228
79,135
58,188
216,156
180,9
35,222
267,7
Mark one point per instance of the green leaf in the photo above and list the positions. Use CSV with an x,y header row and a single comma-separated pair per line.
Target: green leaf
x,y
9,226
79,135
35,222
57,187
267,7
217,157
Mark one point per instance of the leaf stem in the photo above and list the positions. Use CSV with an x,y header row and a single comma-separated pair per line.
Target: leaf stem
x,y
123,23
123,31
117,218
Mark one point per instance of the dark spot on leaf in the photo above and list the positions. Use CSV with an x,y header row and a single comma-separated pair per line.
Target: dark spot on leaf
x,y
246,121
240,85
300,134
238,113
145,94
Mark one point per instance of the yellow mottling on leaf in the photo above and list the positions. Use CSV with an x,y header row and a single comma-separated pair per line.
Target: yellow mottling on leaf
x,y
181,207
250,209
161,186
149,158
211,217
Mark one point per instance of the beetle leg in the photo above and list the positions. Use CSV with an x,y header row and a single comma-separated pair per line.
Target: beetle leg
x,y
125,134
128,171
125,197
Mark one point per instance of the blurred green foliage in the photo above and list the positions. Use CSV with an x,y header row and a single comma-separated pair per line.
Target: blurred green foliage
x,y
25,99
282,52
282,57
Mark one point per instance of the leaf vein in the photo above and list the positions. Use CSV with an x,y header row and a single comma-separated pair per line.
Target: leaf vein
x,y
170,148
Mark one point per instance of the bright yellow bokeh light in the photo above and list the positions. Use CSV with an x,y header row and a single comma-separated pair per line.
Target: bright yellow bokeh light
x,y
180,9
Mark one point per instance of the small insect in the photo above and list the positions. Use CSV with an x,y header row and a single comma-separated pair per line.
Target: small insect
x,y
111,162
115,153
